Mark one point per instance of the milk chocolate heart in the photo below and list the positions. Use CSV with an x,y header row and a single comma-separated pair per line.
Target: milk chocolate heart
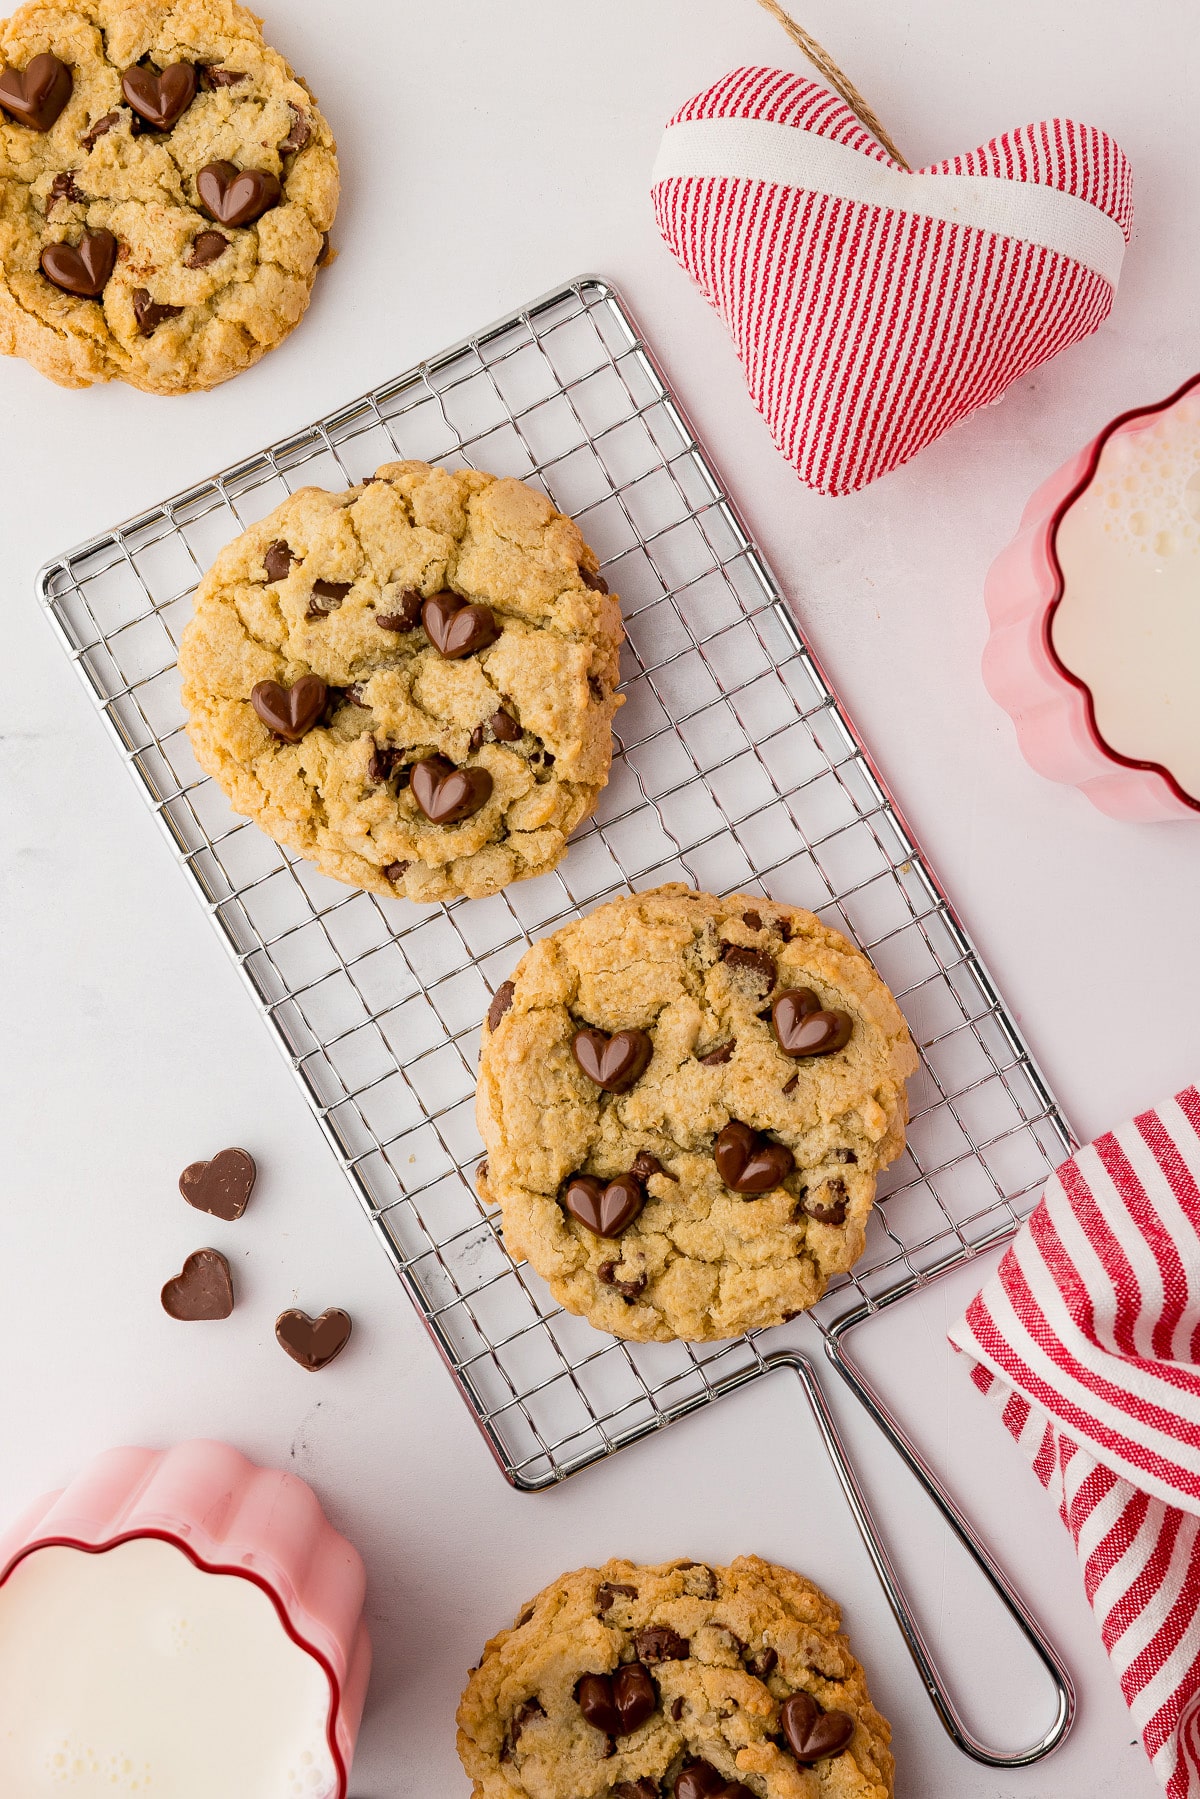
x,y
202,1290
456,629
612,1062
804,1028
234,196
290,711
619,1703
313,1342
84,268
37,94
447,794
748,1162
160,99
812,1733
221,1187
703,1781
604,1208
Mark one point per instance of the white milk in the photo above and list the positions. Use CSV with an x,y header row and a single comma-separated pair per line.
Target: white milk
x,y
1128,623
132,1671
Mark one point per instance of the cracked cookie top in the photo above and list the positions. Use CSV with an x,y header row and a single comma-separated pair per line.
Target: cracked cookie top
x,y
166,190
685,1103
676,1682
411,683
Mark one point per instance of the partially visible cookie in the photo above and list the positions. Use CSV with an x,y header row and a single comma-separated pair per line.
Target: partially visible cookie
x,y
685,1103
166,190
411,682
675,1682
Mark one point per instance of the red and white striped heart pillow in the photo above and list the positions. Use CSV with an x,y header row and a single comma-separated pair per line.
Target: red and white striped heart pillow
x,y
873,307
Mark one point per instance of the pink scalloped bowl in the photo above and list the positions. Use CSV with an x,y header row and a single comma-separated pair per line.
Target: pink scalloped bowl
x,y
1052,709
229,1517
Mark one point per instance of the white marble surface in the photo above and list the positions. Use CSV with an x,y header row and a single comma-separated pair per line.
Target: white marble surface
x,y
489,152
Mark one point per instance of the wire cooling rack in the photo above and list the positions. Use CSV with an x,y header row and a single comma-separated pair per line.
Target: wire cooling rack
x,y
736,770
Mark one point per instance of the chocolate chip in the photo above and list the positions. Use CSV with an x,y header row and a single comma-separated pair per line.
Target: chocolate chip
x,y
659,1643
597,583
784,928
812,1733
327,596
610,1590
62,188
36,94
620,1703
278,560
88,140
382,764
752,921
676,1709
531,1708
505,728
205,249
527,1613
761,1663
299,135
82,270
749,1162
161,100
502,999
613,1063
289,711
604,1208
644,1165
217,77
446,794
831,1209
221,1187
456,629
476,739
150,314
636,1789
234,196
407,618
804,1028
396,871
760,960
629,1290
715,1057
790,1086
481,1175
702,1781
313,1342
545,758
846,1155
202,1290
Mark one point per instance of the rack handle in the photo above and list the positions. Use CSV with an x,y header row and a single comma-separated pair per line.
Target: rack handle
x,y
931,1677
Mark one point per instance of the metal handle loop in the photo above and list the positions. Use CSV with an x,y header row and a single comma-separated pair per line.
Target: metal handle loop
x,y
931,1676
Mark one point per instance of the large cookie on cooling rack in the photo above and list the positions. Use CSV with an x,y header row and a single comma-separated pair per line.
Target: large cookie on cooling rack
x,y
685,1103
721,1683
123,255
411,683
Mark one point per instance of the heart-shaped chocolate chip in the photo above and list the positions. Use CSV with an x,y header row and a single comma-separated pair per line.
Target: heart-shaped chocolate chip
x,y
36,94
812,1733
221,1187
612,1062
456,629
703,1781
234,196
804,1028
290,711
202,1289
205,248
604,1208
84,268
313,1342
160,99
749,1162
447,794
619,1703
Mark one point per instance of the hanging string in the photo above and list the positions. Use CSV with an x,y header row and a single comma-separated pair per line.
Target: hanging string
x,y
825,65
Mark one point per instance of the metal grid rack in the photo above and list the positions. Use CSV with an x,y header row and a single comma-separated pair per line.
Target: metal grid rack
x,y
736,770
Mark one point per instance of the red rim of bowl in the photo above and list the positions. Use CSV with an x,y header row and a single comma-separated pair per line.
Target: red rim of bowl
x,y
1056,518
205,1567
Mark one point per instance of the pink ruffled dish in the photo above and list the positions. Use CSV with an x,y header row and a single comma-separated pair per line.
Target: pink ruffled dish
x,y
1064,729
229,1518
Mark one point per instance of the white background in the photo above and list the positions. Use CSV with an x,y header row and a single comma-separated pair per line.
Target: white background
x,y
488,152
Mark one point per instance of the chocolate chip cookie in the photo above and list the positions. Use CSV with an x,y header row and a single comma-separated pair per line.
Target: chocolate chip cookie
x,y
411,683
676,1682
685,1103
167,186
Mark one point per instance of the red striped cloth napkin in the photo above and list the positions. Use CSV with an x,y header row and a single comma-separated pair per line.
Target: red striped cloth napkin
x,y
1088,1342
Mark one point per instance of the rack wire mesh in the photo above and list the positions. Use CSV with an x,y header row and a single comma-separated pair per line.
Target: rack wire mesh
x,y
736,770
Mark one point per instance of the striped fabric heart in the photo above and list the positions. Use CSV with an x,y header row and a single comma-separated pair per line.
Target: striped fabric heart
x,y
872,306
